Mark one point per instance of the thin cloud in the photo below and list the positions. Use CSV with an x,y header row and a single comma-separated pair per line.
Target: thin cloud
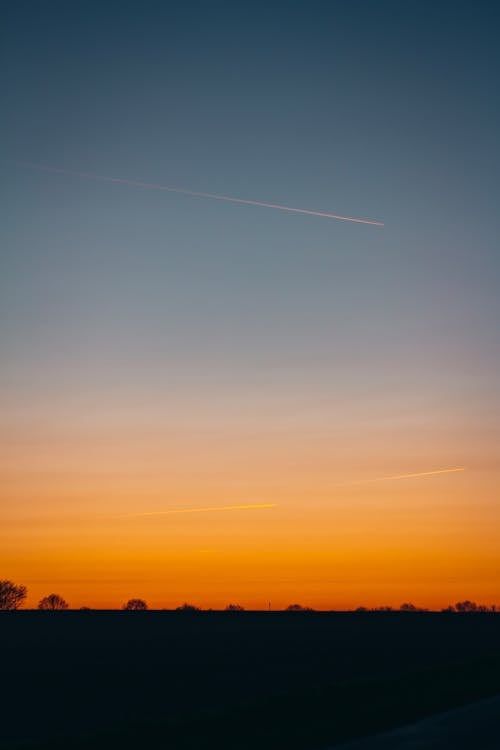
x,y
199,194
202,510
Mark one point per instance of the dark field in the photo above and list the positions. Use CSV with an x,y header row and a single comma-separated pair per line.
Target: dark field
x,y
234,680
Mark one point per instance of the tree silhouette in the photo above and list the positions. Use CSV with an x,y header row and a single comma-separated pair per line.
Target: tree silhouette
x,y
135,605
52,602
298,608
234,608
468,606
409,607
187,608
11,596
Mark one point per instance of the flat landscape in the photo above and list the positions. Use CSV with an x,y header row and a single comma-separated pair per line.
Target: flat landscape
x,y
235,680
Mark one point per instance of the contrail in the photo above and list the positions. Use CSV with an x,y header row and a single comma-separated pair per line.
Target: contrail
x,y
203,510
403,476
419,474
198,194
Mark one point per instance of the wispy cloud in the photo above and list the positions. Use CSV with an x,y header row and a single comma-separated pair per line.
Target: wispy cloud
x,y
198,194
217,508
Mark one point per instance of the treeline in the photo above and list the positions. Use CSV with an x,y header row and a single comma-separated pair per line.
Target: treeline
x,y
13,596
465,606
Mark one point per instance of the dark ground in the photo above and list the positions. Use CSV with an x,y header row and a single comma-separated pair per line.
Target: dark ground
x,y
475,725
234,680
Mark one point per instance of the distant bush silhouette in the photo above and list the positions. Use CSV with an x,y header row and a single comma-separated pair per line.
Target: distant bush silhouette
x,y
11,596
409,607
468,606
187,608
52,602
235,608
135,605
298,608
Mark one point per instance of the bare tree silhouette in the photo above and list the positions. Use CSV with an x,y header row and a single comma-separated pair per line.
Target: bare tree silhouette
x,y
135,605
11,596
52,602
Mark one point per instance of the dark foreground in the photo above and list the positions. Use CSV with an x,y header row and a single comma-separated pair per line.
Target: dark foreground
x,y
234,680
475,725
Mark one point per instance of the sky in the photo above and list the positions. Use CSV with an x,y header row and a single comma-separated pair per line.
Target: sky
x,y
161,351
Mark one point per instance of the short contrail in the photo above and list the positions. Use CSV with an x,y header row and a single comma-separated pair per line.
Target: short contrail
x,y
198,194
203,510
403,476
419,474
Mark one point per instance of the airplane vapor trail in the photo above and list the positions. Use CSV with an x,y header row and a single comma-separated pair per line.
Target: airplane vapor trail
x,y
203,510
198,194
420,474
402,476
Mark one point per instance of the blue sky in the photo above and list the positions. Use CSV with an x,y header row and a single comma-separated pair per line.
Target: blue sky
x,y
380,111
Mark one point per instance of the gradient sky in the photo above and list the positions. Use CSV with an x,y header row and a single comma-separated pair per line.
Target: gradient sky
x,y
163,352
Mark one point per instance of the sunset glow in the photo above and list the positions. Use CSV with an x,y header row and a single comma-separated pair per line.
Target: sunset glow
x,y
75,522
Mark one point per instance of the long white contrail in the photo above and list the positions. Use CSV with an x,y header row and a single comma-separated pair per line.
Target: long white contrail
x,y
198,194
203,510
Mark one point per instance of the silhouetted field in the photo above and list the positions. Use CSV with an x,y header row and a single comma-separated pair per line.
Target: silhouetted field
x,y
234,680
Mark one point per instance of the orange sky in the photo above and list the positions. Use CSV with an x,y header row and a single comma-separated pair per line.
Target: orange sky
x,y
342,531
